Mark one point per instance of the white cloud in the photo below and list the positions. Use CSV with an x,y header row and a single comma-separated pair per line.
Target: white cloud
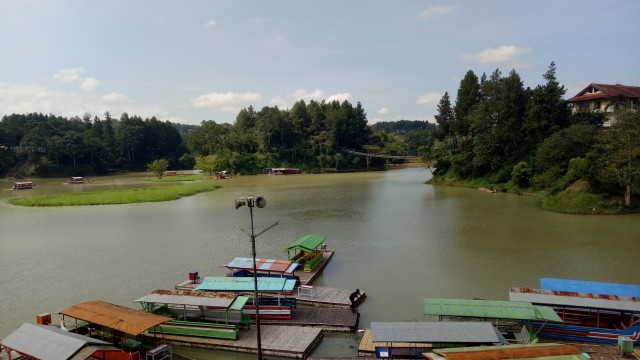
x,y
68,75
210,24
340,97
383,111
90,84
287,100
435,10
498,55
22,99
228,101
428,98
260,21
113,97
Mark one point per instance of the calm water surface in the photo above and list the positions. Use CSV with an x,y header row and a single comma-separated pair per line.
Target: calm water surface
x,y
396,239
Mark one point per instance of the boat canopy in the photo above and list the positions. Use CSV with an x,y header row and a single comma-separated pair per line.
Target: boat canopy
x,y
490,309
236,284
574,299
130,321
590,287
228,301
50,342
306,243
271,266
466,332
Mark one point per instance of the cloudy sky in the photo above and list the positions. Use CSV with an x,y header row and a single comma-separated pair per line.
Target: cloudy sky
x,y
189,61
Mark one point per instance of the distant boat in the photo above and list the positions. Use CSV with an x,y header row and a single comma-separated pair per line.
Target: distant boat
x,y
24,185
76,180
284,171
591,311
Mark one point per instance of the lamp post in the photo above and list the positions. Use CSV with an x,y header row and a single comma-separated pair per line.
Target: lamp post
x,y
260,202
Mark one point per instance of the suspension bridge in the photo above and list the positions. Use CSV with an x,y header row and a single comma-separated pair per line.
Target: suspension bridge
x,y
368,156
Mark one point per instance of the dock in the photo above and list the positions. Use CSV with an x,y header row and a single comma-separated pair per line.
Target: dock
x,y
276,340
327,319
326,296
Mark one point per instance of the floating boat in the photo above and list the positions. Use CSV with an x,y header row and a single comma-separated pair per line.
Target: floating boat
x,y
279,307
284,171
513,319
24,185
591,311
243,267
76,180
308,251
222,175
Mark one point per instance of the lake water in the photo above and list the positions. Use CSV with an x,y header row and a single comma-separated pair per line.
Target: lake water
x,y
396,238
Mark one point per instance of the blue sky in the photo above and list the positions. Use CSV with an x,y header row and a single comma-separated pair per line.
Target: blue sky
x,y
189,61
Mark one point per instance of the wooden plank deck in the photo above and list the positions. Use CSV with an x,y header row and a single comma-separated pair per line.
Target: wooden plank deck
x,y
329,297
328,319
276,340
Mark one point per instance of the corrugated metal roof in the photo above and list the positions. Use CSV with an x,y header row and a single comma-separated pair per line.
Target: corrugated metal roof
x,y
275,266
523,351
265,284
590,287
190,298
130,321
47,342
307,243
594,301
493,309
434,332
239,303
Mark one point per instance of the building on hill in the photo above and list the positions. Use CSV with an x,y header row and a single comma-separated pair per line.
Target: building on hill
x,y
605,98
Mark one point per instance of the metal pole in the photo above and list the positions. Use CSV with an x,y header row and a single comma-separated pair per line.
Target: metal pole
x,y
255,280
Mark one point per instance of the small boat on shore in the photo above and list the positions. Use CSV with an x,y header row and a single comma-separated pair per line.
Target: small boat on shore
x,y
591,311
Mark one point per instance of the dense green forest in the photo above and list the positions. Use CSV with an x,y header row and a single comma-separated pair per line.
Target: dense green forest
x,y
497,134
308,136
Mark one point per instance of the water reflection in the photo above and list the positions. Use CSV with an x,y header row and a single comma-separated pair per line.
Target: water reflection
x,y
395,237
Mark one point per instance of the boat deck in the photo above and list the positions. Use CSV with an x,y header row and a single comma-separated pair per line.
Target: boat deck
x,y
308,277
276,340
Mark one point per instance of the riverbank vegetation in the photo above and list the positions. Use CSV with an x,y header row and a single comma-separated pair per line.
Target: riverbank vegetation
x,y
120,196
497,134
500,135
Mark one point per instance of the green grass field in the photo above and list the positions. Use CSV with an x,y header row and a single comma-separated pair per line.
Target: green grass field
x,y
124,196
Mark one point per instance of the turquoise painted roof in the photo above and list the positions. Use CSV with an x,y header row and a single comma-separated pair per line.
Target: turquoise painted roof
x,y
235,284
307,243
492,309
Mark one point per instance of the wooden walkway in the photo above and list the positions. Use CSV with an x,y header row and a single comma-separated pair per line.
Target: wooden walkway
x,y
328,296
328,319
285,341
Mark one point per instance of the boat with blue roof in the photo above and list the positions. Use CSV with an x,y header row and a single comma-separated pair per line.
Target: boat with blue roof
x,y
598,312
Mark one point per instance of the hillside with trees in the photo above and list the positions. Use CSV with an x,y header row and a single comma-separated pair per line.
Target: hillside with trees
x,y
502,135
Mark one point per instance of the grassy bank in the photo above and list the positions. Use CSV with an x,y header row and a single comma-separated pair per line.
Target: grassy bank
x,y
576,199
124,196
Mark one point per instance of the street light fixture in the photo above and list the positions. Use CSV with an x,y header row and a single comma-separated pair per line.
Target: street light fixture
x,y
260,202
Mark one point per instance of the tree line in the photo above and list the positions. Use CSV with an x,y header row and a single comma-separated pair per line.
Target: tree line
x,y
310,136
501,133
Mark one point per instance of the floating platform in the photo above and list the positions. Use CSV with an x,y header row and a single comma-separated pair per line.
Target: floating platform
x,y
327,319
276,340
